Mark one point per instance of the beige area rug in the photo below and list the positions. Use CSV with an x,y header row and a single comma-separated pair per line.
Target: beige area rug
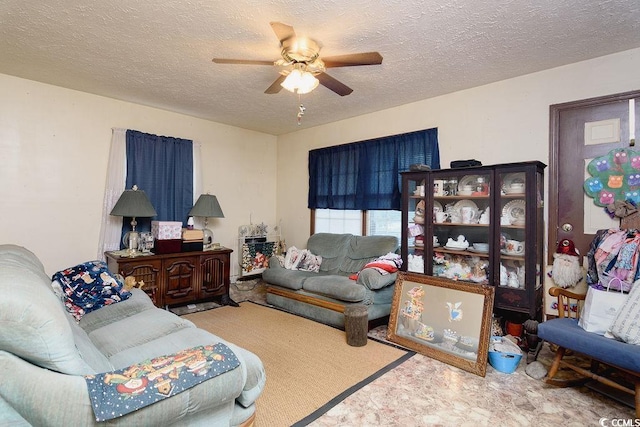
x,y
308,364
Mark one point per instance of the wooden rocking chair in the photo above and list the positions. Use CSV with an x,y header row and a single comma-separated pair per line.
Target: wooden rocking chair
x,y
610,359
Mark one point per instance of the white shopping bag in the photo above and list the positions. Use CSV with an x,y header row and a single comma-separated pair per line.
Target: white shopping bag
x,y
600,309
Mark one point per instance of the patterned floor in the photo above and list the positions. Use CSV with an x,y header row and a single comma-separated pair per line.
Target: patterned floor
x,y
425,392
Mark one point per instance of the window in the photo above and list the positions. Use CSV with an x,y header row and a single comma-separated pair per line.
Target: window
x,y
163,167
382,223
358,186
117,172
338,221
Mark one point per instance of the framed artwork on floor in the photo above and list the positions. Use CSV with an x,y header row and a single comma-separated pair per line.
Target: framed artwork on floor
x,y
444,319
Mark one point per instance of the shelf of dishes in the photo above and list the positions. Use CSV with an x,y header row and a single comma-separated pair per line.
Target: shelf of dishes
x,y
509,248
473,186
470,267
468,252
466,212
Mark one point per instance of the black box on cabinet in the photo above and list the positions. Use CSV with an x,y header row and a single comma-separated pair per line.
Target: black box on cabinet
x,y
192,245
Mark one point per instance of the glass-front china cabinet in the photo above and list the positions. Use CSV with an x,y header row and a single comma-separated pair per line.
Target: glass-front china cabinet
x,y
482,225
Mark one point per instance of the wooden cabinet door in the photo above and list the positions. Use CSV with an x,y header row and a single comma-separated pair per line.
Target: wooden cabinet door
x,y
147,271
214,275
180,280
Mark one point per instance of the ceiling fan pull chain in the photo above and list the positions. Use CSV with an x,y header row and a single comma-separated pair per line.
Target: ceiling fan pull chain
x,y
301,109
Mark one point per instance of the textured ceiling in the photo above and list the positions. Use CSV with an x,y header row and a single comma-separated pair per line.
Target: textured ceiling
x,y
158,52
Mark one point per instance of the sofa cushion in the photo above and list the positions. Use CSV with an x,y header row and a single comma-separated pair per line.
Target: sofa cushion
x,y
363,249
136,330
88,352
33,323
21,255
332,248
290,279
335,286
154,379
374,280
139,301
383,295
566,332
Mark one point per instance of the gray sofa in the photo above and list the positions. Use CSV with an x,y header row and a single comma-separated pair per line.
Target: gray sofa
x,y
45,355
323,295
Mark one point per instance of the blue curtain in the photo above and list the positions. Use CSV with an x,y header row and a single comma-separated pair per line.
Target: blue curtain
x,y
366,175
162,166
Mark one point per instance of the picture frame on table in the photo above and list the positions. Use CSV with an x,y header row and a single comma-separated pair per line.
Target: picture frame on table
x,y
444,319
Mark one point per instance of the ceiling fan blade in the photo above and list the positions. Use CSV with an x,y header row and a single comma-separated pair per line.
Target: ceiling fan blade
x,y
365,58
329,82
275,86
283,31
241,61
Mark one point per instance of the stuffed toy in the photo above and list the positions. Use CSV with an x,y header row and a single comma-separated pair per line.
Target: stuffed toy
x,y
566,271
130,283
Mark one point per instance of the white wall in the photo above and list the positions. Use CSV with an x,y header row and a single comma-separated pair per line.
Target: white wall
x,y
503,122
54,148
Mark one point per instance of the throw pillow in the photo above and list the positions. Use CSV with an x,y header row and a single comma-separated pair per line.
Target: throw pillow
x,y
89,286
309,262
626,325
291,261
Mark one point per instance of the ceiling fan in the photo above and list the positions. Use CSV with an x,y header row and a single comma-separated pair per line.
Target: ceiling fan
x,y
300,55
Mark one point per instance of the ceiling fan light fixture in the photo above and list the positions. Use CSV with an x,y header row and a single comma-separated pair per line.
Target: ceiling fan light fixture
x,y
300,49
300,82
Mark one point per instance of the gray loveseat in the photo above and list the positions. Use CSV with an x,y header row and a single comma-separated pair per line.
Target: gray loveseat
x,y
323,295
45,355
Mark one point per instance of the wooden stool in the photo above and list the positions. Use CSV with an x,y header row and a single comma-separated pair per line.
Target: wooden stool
x,y
355,324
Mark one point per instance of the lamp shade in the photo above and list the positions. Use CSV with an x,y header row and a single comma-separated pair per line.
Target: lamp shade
x,y
300,81
207,206
133,203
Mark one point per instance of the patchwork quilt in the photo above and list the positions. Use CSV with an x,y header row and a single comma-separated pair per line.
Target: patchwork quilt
x,y
120,392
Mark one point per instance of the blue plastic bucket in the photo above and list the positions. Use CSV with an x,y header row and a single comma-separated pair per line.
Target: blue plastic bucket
x,y
504,362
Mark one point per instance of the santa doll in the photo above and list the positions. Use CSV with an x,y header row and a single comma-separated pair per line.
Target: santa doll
x,y
566,271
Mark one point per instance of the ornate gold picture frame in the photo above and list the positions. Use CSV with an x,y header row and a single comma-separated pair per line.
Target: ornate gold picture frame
x,y
447,320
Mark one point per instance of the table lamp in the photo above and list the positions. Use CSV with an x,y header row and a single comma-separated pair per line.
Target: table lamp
x,y
133,203
207,206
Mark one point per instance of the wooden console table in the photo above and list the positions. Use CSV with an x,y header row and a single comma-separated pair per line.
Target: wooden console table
x,y
180,278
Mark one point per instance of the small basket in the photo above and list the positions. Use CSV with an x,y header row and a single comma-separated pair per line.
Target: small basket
x,y
504,362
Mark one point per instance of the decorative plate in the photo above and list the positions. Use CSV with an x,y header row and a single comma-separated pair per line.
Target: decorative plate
x,y
504,252
467,180
437,206
514,210
464,203
478,251
454,248
509,179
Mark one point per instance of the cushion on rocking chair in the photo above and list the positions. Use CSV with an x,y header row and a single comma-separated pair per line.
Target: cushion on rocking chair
x,y
566,333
